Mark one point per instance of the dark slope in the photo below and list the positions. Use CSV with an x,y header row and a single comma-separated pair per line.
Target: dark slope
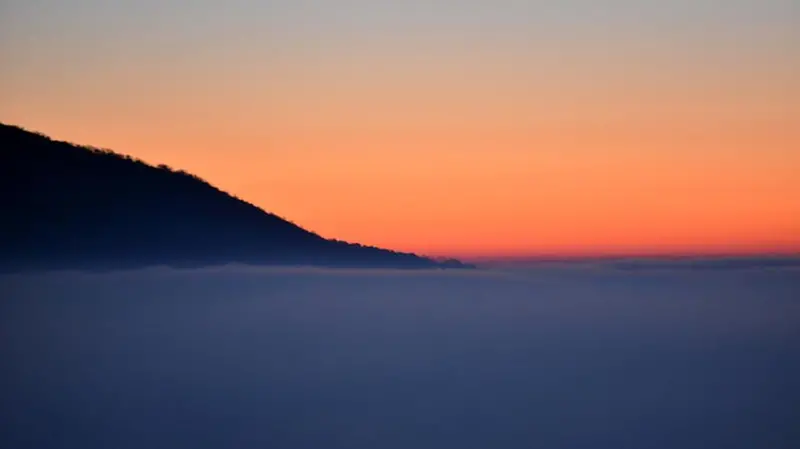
x,y
68,206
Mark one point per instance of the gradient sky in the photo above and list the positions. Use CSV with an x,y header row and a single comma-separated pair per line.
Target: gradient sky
x,y
465,128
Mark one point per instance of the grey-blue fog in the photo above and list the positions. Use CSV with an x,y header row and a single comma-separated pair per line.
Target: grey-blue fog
x,y
592,355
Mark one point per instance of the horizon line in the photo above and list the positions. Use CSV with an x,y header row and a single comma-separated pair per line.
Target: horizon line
x,y
574,257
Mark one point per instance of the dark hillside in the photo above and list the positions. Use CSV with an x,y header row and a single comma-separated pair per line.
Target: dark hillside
x,y
69,206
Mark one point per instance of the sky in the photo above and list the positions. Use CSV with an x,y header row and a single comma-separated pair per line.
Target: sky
x,y
470,128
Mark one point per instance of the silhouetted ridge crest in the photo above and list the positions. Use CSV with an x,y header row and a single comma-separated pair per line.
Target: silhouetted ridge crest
x,y
71,206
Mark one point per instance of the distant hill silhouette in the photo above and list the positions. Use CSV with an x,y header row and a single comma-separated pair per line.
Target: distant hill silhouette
x,y
70,206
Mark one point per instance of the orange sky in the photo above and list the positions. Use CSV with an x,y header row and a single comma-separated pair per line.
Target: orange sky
x,y
678,143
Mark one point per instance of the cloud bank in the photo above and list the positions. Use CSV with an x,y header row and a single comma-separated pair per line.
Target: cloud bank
x,y
585,355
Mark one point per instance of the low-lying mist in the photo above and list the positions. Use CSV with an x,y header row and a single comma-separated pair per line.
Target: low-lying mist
x,y
552,356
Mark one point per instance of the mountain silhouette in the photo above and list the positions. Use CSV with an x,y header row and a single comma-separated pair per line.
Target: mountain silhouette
x,y
71,206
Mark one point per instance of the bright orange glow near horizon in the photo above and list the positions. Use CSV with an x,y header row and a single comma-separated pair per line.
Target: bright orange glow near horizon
x,y
484,146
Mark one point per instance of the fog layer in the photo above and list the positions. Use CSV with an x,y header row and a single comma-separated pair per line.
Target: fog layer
x,y
552,357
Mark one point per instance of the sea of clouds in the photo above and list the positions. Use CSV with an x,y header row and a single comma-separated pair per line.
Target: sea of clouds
x,y
596,354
